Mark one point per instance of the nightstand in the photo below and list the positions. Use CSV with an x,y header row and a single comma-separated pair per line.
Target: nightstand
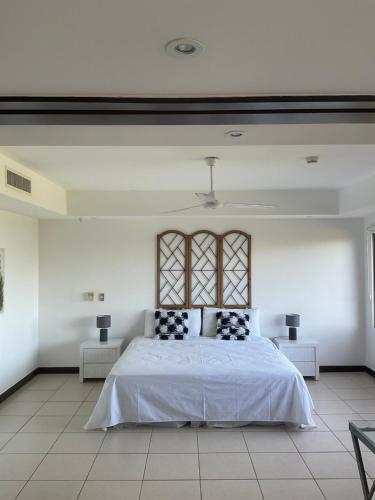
x,y
97,358
303,353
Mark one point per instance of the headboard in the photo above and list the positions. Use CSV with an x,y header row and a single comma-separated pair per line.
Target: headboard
x,y
203,269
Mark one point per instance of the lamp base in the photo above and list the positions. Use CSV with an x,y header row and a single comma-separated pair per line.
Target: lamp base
x,y
104,335
292,333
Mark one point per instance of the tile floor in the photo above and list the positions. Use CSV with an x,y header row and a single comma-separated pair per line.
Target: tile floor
x,y
45,453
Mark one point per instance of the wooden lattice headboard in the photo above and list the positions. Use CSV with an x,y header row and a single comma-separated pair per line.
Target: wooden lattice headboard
x,y
203,269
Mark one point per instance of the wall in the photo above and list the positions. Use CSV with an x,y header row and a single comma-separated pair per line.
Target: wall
x,y
19,319
312,267
369,320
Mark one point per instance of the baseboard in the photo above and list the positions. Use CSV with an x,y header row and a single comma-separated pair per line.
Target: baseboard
x,y
344,368
58,369
19,384
370,371
42,369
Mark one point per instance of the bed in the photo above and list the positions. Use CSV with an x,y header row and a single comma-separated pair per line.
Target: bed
x,y
202,379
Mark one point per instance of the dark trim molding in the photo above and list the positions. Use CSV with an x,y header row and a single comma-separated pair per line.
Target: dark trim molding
x,y
29,376
58,369
343,368
187,111
19,384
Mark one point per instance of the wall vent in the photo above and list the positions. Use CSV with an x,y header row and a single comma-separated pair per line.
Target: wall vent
x,y
17,181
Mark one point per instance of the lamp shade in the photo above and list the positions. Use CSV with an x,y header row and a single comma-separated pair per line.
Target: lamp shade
x,y
292,320
103,321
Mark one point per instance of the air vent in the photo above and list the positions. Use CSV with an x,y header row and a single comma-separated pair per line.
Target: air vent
x,y
17,181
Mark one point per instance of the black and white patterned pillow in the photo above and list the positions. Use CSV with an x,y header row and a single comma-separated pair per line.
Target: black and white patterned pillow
x,y
232,325
171,325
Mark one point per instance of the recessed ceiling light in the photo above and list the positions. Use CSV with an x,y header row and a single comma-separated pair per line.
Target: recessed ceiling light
x,y
184,47
235,133
310,160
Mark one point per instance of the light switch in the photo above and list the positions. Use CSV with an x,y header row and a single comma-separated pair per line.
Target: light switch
x,y
101,297
90,296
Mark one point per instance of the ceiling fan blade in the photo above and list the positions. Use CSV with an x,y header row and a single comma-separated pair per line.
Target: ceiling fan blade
x,y
246,205
180,210
206,197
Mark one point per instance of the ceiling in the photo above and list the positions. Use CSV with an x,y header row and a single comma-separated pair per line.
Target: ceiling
x,y
116,47
251,47
186,135
182,168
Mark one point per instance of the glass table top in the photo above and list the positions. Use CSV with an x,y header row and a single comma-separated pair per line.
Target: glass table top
x,y
365,432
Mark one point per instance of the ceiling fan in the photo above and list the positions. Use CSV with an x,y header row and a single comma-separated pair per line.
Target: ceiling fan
x,y
209,199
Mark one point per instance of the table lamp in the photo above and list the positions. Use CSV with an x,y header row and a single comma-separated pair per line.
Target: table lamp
x,y
103,322
292,320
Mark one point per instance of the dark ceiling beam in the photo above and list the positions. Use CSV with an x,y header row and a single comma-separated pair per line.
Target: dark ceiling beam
x,y
186,111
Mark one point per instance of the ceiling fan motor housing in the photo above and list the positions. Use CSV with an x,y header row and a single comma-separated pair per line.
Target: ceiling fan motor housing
x,y
212,204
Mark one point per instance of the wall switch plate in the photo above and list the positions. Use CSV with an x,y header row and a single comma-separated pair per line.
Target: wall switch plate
x,y
90,296
101,297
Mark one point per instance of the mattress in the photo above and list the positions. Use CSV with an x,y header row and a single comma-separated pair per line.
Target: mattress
x,y
202,380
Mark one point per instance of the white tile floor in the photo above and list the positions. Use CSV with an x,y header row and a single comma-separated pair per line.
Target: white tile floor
x,y
45,453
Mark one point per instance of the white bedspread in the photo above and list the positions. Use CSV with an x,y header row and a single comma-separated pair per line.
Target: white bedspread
x,y
202,379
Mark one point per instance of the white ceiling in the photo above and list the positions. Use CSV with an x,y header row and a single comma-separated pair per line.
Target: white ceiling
x,y
113,47
186,135
183,168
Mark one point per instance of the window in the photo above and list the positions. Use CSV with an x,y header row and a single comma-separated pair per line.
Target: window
x,y
203,269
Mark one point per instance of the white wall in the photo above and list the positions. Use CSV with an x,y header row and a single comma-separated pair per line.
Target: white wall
x,y
19,319
369,320
312,267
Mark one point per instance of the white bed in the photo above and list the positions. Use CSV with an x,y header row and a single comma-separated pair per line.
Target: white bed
x,y
202,380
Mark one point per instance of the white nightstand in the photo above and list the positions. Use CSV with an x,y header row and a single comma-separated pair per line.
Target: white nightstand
x,y
303,353
97,358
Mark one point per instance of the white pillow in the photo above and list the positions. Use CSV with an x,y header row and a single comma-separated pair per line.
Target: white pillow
x,y
194,322
210,322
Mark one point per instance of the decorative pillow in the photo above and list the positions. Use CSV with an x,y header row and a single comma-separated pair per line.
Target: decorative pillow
x,y
171,336
195,322
171,325
209,327
232,325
